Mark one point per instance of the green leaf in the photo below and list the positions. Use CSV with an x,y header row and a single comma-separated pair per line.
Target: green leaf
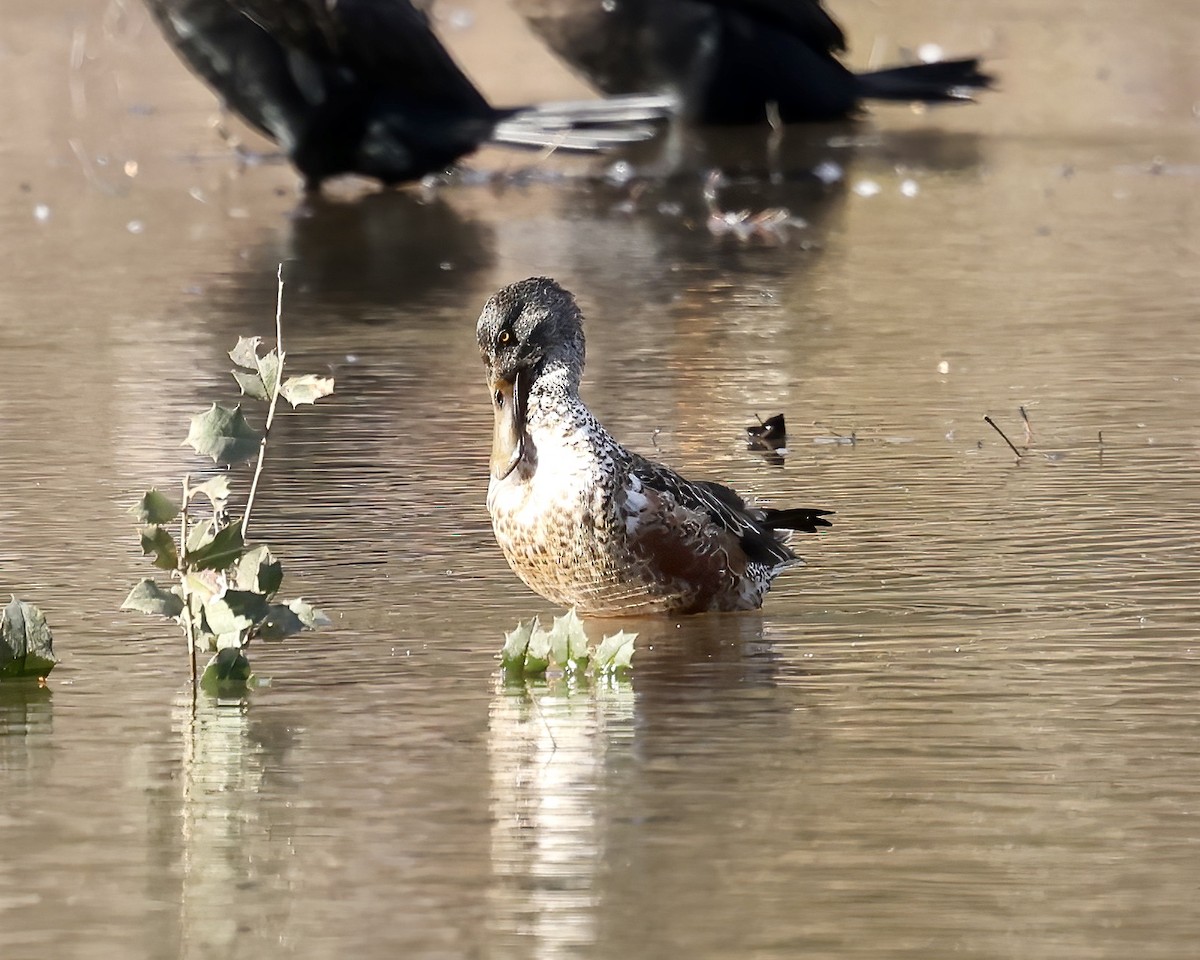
x,y
537,654
235,612
154,508
245,354
252,384
215,488
224,550
203,585
310,616
306,389
223,434
280,622
568,642
285,621
268,370
234,640
158,543
227,674
26,643
259,571
516,642
615,652
149,597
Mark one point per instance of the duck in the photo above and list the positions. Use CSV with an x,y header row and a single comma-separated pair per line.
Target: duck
x,y
735,62
589,524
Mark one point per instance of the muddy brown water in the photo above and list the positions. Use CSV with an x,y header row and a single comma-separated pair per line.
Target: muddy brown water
x,y
970,726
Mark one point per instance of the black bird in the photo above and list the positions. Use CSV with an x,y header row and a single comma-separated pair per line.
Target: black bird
x,y
728,60
365,86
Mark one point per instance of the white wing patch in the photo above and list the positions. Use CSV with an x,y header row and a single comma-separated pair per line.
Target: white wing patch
x,y
636,503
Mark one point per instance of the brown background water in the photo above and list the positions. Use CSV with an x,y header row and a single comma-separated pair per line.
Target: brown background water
x,y
969,726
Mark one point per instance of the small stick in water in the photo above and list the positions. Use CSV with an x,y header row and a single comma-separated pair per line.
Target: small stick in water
x,y
992,423
1028,427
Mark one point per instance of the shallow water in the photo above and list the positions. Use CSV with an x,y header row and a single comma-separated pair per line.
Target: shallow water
x,y
969,725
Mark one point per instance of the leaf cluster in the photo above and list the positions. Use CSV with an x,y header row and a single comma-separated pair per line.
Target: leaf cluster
x,y
530,651
224,590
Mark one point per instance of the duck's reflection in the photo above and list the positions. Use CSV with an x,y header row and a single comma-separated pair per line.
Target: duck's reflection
x,y
560,752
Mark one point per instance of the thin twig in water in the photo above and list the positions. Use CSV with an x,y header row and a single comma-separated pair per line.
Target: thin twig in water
x,y
992,423
262,444
1028,427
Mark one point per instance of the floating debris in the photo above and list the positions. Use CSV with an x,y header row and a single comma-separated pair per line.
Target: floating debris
x,y
769,434
769,438
769,224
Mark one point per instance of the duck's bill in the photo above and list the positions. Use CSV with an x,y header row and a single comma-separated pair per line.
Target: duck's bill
x,y
509,401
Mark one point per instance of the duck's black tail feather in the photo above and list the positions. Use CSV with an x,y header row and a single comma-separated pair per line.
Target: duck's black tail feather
x,y
945,80
804,519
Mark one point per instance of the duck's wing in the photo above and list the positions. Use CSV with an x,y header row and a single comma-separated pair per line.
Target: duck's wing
x,y
754,529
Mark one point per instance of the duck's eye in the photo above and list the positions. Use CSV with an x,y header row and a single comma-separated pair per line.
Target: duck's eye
x,y
499,399
504,338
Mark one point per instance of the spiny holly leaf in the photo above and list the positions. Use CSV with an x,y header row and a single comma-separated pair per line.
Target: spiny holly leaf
x,y
224,550
215,488
285,621
245,354
615,652
149,597
223,434
234,640
259,571
306,389
252,384
279,622
228,674
235,612
268,370
158,543
568,642
203,585
201,534
310,616
537,654
154,508
26,644
516,642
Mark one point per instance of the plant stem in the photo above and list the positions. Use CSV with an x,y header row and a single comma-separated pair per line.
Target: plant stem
x,y
189,628
262,445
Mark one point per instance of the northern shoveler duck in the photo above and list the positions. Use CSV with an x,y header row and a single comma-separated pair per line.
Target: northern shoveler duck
x,y
587,523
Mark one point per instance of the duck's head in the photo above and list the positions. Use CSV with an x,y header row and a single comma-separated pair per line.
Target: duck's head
x,y
527,331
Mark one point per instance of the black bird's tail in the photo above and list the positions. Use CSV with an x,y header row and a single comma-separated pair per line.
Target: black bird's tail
x,y
803,519
945,80
586,125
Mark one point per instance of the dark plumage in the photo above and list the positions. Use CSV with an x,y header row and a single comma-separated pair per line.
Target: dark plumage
x,y
587,523
727,60
366,87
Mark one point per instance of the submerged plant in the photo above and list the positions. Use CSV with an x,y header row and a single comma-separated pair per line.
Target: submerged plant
x,y
223,593
530,651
